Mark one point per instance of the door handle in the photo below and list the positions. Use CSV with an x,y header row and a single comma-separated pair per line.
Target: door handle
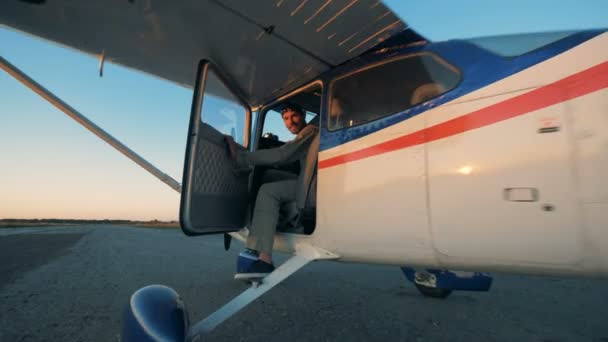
x,y
521,194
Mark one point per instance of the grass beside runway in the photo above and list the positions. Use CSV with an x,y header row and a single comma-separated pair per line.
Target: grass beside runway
x,y
42,223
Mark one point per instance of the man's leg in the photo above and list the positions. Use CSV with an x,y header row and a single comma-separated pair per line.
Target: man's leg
x,y
266,215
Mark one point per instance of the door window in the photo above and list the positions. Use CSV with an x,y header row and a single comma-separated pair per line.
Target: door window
x,y
223,111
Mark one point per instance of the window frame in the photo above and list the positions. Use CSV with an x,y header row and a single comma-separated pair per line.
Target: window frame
x,y
437,57
196,114
261,119
307,114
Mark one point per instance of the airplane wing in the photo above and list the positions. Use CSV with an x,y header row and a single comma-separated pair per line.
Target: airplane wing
x,y
266,47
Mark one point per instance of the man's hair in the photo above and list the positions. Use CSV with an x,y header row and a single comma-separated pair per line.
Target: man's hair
x,y
293,107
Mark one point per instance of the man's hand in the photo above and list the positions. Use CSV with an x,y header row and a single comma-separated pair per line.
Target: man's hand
x,y
231,146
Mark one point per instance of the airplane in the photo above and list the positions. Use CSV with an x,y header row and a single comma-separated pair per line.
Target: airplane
x,y
481,154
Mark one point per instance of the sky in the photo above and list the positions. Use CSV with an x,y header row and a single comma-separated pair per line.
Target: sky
x,y
51,167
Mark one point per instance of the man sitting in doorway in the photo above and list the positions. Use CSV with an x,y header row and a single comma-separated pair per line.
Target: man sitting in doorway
x,y
256,261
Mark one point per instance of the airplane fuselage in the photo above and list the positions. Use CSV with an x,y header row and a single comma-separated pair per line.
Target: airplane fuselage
x,y
502,173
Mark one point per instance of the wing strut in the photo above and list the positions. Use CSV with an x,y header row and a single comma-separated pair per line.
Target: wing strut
x,y
86,123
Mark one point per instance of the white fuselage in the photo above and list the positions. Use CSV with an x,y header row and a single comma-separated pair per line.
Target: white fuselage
x,y
523,193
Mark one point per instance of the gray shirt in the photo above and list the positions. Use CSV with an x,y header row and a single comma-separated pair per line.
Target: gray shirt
x,y
296,149
291,151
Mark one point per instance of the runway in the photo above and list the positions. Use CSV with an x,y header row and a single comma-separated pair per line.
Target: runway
x,y
72,283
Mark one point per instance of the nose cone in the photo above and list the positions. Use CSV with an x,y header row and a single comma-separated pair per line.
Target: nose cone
x,y
155,313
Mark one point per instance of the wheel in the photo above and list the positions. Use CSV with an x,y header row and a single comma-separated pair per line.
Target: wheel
x,y
434,292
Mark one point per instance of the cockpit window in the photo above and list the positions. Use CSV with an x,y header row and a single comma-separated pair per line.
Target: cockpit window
x,y
388,88
518,44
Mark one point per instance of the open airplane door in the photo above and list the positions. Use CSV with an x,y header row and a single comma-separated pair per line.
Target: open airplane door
x,y
214,194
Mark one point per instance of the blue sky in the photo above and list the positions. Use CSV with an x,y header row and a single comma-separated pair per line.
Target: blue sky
x,y
51,167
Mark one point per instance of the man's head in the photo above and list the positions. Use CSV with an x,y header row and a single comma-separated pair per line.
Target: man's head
x,y
293,118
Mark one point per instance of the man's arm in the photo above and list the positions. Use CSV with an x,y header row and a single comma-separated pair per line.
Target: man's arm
x,y
285,154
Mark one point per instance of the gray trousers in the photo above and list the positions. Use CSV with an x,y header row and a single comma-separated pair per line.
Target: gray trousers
x,y
266,211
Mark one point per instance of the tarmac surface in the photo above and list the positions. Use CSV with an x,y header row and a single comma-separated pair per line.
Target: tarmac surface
x,y
72,284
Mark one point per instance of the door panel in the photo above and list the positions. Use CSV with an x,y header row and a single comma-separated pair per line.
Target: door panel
x,y
219,193
375,208
215,193
372,192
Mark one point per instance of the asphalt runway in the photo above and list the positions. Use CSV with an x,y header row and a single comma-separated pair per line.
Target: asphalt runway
x,y
72,283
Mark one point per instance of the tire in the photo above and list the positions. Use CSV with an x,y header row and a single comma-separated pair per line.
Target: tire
x,y
433,292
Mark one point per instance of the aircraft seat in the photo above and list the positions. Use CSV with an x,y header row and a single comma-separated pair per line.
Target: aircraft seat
x,y
302,220
426,92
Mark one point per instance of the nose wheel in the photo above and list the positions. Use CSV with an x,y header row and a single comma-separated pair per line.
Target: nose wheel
x,y
433,292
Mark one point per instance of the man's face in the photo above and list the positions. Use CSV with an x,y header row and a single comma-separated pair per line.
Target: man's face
x,y
293,120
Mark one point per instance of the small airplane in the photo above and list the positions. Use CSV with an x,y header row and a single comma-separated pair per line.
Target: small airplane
x,y
482,154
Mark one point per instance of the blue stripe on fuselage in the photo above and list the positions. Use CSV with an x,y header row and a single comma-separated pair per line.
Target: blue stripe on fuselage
x,y
478,67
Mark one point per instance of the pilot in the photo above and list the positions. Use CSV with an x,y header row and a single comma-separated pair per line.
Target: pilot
x,y
256,260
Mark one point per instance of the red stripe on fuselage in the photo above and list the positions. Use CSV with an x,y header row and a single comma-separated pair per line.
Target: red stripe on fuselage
x,y
579,84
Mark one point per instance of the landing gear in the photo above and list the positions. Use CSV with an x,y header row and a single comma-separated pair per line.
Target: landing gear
x,y
440,283
433,292
157,312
